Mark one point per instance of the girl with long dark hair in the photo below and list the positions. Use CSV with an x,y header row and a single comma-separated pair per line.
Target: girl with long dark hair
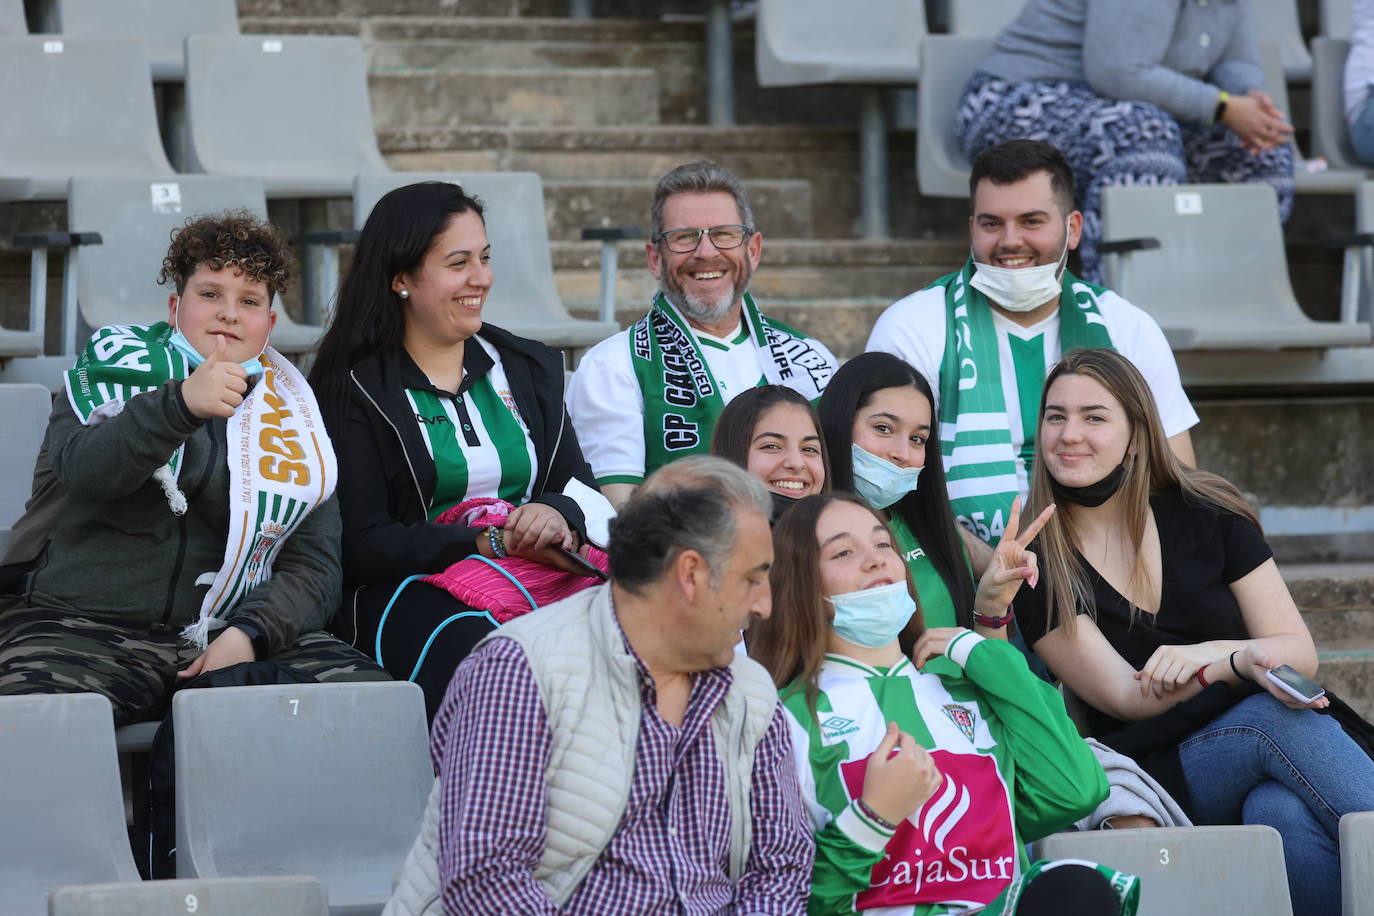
x,y
877,417
430,407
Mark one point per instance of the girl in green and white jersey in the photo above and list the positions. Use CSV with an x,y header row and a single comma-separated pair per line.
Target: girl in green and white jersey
x,y
926,758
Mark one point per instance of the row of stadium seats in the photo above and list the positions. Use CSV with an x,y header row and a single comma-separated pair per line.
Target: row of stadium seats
x,y
326,780
163,24
329,781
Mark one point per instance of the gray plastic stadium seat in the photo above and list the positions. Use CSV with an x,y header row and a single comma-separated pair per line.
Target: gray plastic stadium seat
x,y
85,108
1188,869
1357,864
313,135
24,411
12,20
117,280
523,298
63,812
327,780
948,64
1219,280
1337,18
163,23
285,896
808,42
982,18
1277,21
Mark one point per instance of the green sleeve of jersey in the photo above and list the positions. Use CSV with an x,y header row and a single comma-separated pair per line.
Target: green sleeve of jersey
x,y
1058,780
846,851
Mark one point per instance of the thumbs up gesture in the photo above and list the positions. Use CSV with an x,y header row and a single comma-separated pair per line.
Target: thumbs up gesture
x,y
217,386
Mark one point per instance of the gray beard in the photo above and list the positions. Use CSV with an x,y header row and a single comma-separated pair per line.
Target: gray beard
x,y
700,310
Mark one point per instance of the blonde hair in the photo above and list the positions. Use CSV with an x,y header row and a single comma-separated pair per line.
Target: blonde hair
x,y
1151,466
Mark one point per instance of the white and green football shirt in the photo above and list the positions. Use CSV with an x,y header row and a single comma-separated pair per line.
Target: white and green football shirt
x,y
480,444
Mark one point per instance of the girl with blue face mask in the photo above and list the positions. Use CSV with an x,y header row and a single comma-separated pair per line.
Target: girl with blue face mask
x,y
882,434
908,740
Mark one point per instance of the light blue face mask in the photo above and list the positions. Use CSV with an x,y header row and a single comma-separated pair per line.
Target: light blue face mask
x,y
880,483
873,617
179,342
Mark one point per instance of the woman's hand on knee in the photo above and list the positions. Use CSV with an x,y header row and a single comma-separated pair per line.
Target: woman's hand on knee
x,y
1257,122
534,526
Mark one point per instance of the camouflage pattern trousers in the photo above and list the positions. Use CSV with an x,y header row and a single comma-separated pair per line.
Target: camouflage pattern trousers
x,y
43,651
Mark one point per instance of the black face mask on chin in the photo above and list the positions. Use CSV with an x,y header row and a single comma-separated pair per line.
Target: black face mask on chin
x,y
1094,494
780,505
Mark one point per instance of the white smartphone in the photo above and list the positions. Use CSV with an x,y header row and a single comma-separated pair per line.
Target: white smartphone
x,y
1296,685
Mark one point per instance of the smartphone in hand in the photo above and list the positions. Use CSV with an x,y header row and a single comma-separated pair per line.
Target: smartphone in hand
x,y
1296,685
584,566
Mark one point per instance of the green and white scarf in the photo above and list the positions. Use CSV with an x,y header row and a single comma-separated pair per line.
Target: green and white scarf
x,y
975,431
281,461
682,398
937,606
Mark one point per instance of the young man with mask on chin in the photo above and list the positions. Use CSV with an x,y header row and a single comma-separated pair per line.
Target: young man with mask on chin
x,y
986,335
651,394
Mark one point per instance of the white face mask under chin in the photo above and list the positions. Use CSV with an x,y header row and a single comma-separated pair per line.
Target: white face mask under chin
x,y
1021,289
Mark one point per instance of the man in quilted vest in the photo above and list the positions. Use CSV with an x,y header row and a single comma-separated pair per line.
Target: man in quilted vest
x,y
612,753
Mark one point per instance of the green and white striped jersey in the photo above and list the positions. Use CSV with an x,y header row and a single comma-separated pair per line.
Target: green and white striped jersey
x,y
1014,769
479,442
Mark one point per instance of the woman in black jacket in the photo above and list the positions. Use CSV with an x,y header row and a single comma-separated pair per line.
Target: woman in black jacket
x,y
429,406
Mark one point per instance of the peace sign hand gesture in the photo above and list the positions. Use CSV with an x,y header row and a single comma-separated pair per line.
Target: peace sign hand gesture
x,y
1011,564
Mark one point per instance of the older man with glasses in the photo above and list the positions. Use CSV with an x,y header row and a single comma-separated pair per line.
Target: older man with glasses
x,y
651,394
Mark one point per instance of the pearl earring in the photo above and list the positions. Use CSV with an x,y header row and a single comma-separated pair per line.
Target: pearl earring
x,y
404,294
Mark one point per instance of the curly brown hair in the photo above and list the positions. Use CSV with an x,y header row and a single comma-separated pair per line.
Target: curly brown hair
x,y
234,238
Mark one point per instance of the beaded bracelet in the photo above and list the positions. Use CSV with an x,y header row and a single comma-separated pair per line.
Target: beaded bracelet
x,y
497,541
874,816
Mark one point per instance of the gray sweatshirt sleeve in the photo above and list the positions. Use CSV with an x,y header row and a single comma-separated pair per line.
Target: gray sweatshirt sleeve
x,y
1124,44
115,457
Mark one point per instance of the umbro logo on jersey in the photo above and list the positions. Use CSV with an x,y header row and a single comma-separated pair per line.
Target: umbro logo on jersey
x,y
838,727
432,421
961,717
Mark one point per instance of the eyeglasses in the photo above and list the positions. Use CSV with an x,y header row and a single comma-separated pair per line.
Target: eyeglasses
x,y
723,237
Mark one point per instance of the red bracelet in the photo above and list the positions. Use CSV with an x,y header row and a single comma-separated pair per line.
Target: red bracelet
x,y
1201,678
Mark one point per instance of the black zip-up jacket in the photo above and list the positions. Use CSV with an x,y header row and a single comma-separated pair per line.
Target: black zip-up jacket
x,y
387,478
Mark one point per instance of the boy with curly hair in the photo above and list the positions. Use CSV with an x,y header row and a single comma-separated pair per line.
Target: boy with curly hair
x,y
183,517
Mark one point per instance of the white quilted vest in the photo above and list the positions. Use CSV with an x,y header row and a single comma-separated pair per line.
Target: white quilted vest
x,y
589,685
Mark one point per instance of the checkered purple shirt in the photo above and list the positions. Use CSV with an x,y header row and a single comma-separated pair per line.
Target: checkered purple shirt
x,y
670,852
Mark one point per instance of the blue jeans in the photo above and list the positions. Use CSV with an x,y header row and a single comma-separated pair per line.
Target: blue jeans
x,y
1292,769
1362,131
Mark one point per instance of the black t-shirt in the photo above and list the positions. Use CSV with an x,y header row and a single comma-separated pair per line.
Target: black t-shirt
x,y
1203,550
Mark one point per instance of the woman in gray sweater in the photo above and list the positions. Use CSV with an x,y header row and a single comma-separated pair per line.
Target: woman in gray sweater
x,y
1132,92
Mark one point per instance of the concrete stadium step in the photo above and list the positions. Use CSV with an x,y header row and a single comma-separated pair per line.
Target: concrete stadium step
x,y
353,9
675,54
540,97
1305,463
1337,602
572,204
827,158
833,290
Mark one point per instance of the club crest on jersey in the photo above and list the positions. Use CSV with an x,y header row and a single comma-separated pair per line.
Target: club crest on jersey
x,y
961,717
